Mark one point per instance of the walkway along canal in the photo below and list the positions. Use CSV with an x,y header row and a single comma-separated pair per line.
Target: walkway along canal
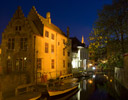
x,y
98,87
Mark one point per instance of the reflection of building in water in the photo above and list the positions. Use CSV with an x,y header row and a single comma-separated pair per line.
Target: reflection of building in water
x,y
79,54
78,95
84,84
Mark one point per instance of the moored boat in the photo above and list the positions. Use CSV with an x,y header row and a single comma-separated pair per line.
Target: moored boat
x,y
62,89
68,79
65,84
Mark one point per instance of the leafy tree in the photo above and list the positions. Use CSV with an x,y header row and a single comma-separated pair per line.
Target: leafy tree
x,y
111,32
97,44
113,21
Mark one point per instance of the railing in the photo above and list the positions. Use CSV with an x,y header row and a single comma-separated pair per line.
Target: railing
x,y
24,88
66,76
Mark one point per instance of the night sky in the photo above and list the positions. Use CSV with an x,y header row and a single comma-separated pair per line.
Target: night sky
x,y
79,15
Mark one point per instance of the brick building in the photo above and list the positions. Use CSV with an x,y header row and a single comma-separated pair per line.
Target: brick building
x,y
33,49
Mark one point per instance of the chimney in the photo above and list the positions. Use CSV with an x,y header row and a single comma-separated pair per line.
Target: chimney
x,y
68,32
48,17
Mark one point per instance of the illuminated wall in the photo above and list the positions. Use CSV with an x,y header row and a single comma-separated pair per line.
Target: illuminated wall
x,y
57,55
79,59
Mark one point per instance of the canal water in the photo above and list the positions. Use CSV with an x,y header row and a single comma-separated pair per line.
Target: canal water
x,y
97,87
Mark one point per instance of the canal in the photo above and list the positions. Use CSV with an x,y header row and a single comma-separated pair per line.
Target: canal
x,y
97,87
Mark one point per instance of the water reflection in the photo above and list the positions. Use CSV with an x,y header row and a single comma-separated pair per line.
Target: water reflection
x,y
94,88
98,87
84,84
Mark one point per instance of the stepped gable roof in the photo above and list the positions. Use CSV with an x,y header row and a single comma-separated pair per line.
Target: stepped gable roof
x,y
18,14
46,23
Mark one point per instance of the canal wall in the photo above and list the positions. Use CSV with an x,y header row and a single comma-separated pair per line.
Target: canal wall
x,y
121,74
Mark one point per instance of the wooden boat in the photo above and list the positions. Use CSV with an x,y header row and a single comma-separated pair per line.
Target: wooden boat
x,y
68,78
65,84
62,89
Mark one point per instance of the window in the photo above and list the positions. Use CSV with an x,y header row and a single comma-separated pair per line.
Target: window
x,y
68,53
23,44
18,28
11,43
52,63
63,51
52,48
69,64
38,75
21,64
63,41
46,34
52,36
63,63
9,66
39,63
46,47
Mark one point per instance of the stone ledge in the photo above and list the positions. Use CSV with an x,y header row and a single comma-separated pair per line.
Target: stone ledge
x,y
26,96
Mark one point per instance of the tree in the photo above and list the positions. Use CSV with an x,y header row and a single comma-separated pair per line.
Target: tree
x,y
111,31
97,44
113,21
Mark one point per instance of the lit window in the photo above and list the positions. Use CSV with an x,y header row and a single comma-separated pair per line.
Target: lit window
x,y
52,36
52,63
52,48
46,47
63,63
46,34
11,43
39,63
23,44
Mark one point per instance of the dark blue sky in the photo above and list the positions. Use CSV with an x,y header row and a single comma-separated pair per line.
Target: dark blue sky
x,y
79,15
